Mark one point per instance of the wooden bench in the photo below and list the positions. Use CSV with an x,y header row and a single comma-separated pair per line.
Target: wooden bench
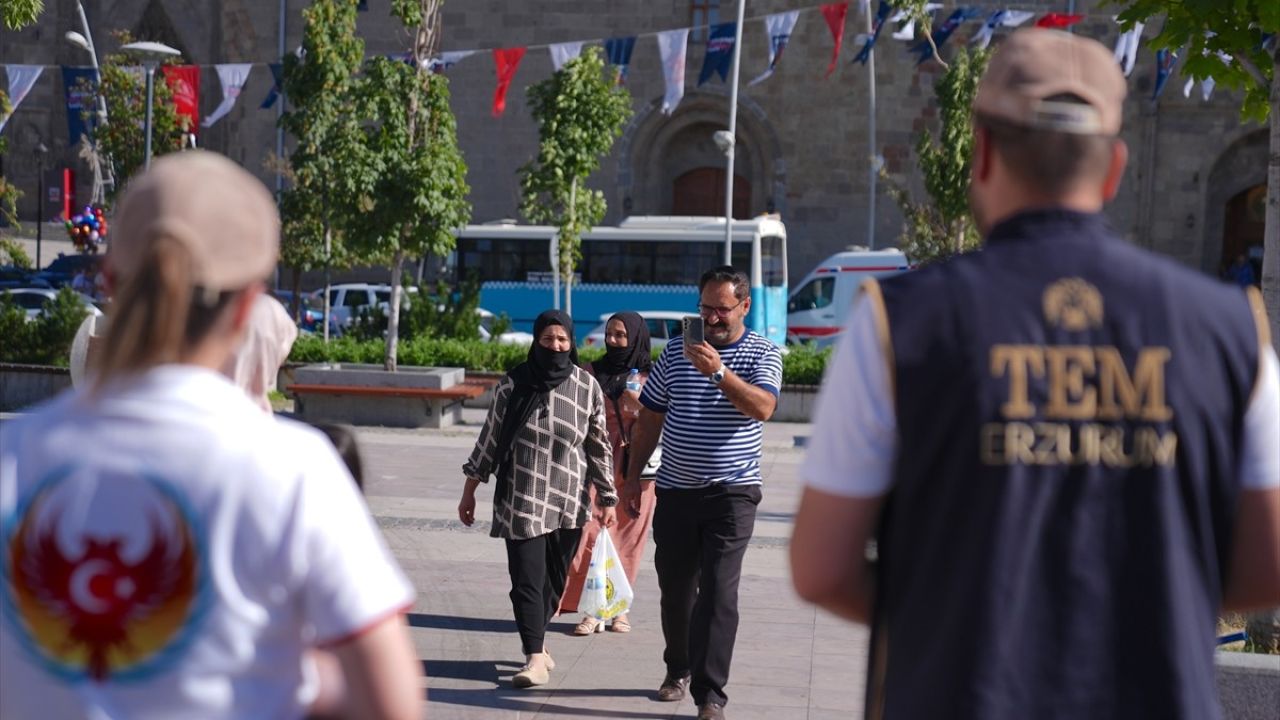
x,y
394,406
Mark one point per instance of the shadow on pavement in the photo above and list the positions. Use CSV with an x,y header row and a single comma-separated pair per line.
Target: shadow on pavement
x,y
535,701
454,622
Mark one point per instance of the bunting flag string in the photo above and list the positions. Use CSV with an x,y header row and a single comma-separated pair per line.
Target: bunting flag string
x,y
1127,48
619,52
778,27
450,58
673,46
21,80
562,53
999,19
925,51
835,15
79,84
882,16
907,31
1165,60
233,77
184,81
1058,21
277,86
719,55
506,60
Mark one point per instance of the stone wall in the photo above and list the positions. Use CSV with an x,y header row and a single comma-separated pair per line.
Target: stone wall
x,y
802,137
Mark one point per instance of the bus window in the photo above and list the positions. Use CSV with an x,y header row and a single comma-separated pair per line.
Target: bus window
x,y
773,261
602,263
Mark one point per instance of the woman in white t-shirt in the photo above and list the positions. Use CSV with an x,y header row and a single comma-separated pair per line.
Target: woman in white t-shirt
x,y
170,550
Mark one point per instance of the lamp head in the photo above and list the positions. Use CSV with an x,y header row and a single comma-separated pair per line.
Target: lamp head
x,y
724,140
77,39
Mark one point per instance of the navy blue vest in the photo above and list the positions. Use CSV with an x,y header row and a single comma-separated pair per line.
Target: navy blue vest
x,y
1056,543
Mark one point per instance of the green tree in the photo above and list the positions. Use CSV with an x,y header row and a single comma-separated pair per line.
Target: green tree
x,y
123,140
9,193
413,195
1203,29
318,84
18,14
944,226
580,112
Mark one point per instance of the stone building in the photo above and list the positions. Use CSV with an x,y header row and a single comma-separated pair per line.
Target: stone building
x,y
1194,190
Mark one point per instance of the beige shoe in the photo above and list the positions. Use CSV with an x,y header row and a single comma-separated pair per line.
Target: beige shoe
x,y
588,625
537,671
621,624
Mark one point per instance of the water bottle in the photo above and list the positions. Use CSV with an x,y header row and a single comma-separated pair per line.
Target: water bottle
x,y
633,380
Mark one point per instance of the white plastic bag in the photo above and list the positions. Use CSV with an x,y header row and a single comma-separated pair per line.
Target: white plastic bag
x,y
606,593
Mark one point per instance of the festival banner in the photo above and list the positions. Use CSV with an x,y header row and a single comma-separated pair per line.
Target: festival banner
x,y
184,82
1127,48
506,60
562,53
778,27
618,50
882,15
719,57
78,84
924,51
21,79
233,77
673,46
835,15
999,19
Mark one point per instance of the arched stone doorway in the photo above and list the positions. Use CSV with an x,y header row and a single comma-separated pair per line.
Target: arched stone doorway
x,y
671,165
1235,190
701,192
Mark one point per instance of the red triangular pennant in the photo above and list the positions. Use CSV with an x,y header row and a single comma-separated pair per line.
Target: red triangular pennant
x,y
1058,20
507,60
835,14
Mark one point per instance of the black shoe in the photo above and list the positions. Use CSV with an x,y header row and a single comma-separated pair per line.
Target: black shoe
x,y
710,711
673,689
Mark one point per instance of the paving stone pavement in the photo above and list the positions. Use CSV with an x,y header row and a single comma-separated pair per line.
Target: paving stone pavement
x,y
791,660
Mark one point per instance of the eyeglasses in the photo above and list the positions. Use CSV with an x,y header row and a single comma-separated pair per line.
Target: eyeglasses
x,y
707,311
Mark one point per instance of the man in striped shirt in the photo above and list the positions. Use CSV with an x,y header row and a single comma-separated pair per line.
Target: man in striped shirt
x,y
708,402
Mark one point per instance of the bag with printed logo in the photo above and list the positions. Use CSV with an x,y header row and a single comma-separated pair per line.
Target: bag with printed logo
x,y
606,593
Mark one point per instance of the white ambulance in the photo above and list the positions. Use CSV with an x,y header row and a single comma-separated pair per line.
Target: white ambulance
x,y
817,308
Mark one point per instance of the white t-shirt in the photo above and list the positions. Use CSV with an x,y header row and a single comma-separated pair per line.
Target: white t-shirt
x,y
169,550
855,429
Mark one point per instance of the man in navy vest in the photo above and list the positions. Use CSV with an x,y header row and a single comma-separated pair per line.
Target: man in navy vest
x,y
1066,449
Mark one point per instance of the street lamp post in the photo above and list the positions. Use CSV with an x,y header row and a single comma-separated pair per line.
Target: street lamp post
x,y
152,54
728,145
85,42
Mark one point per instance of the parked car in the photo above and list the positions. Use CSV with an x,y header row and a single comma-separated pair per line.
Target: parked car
x,y
64,269
34,299
663,325
511,337
346,300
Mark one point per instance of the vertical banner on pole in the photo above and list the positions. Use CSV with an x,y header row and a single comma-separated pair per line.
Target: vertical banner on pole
x,y
79,84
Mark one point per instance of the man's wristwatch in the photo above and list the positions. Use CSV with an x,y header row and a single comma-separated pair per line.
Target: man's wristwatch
x,y
717,377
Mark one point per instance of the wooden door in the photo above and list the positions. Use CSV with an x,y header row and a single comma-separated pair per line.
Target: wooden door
x,y
701,192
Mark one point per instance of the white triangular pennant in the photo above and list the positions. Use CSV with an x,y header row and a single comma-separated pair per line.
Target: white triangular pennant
x,y
21,79
673,46
562,53
233,76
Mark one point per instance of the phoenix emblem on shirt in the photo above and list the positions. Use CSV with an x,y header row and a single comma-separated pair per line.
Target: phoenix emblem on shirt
x,y
115,601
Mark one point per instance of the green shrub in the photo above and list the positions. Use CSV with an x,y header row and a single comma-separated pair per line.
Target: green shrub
x,y
45,340
804,365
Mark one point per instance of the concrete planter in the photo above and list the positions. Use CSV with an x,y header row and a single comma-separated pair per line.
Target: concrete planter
x,y
357,394
1249,685
22,386
796,403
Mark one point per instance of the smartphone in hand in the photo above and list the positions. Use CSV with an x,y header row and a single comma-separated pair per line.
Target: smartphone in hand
x,y
693,330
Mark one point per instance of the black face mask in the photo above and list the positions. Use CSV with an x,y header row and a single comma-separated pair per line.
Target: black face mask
x,y
612,369
534,380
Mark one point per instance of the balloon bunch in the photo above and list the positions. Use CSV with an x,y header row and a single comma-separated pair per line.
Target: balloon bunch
x,y
88,230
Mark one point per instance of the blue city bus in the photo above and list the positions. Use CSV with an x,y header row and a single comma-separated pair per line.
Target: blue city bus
x,y
645,263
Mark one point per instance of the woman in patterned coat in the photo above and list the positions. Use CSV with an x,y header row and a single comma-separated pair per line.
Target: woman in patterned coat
x,y
546,442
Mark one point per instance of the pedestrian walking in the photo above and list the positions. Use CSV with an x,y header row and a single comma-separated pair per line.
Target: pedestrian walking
x,y
621,373
545,441
708,401
1064,446
169,549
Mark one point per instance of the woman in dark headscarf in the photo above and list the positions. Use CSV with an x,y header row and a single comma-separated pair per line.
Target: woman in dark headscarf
x,y
626,338
546,442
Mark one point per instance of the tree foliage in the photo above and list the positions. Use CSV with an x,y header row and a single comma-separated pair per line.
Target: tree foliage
x,y
18,14
9,193
123,140
944,226
580,112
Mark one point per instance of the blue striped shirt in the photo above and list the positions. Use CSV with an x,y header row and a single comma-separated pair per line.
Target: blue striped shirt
x,y
705,439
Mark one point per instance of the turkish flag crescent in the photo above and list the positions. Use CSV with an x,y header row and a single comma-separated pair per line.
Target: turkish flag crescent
x,y
507,60
184,82
1058,20
835,14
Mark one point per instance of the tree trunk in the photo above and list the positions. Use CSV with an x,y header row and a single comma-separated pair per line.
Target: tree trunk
x,y
1264,628
567,267
393,313
328,247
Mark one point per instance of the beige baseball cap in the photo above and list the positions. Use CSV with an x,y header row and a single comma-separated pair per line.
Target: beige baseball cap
x,y
224,216
1035,64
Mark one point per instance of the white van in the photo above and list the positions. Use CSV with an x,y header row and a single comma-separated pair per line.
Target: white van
x,y
817,308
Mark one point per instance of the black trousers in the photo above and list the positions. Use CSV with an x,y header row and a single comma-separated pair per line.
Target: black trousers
x,y
701,537
539,567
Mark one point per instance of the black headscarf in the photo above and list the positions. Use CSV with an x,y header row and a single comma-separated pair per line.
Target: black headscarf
x,y
612,369
534,378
